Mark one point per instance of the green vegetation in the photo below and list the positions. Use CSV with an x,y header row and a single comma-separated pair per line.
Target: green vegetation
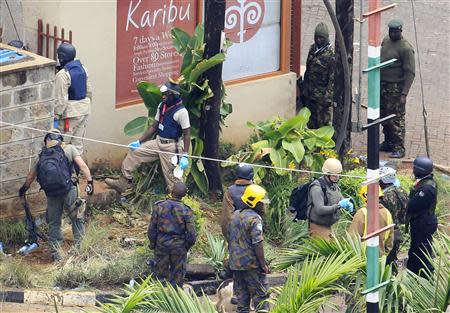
x,y
15,272
215,252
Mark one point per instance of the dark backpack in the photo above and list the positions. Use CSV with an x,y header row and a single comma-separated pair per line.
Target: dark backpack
x,y
298,201
54,172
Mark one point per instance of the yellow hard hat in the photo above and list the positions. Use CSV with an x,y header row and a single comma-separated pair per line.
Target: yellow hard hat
x,y
363,193
253,194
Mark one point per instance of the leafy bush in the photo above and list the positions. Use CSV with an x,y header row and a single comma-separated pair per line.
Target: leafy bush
x,y
151,295
195,205
14,272
286,144
215,252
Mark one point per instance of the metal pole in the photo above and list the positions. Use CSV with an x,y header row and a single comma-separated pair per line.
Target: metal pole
x,y
358,98
373,139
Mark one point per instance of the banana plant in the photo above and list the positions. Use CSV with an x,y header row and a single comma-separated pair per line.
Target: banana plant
x,y
286,144
195,91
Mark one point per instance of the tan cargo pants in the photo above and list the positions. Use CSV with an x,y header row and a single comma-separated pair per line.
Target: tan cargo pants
x,y
77,128
316,230
142,155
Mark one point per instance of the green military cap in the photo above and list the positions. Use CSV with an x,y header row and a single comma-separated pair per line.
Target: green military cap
x,y
395,24
322,30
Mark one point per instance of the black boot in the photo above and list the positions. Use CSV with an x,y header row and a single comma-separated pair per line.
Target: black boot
x,y
385,146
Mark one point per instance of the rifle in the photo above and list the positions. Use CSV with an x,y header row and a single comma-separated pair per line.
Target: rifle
x,y
31,243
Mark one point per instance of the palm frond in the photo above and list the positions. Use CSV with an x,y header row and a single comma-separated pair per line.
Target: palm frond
x,y
313,284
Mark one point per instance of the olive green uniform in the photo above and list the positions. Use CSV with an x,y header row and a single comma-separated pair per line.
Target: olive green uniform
x,y
396,80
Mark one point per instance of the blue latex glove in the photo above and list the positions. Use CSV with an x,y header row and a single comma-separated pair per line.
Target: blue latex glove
x,y
184,162
397,183
134,145
55,123
346,204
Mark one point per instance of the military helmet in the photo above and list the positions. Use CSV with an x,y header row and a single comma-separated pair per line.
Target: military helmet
x,y
244,171
332,166
363,193
422,166
389,178
253,194
66,53
53,137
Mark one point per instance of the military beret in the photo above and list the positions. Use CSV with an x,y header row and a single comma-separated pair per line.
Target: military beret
x,y
395,24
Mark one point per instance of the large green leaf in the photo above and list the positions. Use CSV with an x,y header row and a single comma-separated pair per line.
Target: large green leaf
x,y
298,122
196,41
180,40
279,159
151,95
136,126
325,132
296,148
199,177
205,65
198,146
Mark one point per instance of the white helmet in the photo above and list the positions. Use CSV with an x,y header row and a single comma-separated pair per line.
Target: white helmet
x,y
390,178
332,166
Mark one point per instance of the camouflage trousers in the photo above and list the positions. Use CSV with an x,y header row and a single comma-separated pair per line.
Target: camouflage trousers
x,y
251,285
320,113
170,267
393,129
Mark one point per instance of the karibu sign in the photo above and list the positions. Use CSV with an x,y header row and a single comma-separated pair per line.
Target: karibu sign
x,y
144,50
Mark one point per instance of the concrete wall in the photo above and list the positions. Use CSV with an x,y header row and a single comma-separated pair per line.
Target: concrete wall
x,y
26,99
94,35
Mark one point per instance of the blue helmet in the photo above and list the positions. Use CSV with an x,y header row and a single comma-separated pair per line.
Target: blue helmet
x,y
244,171
66,53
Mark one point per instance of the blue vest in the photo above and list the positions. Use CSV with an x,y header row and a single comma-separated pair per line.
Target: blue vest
x,y
78,77
168,127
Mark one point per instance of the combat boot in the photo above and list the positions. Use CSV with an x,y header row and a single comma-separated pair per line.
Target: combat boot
x,y
120,184
386,147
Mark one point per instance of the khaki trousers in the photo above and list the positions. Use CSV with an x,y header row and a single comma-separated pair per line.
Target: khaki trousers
x,y
77,128
142,155
316,230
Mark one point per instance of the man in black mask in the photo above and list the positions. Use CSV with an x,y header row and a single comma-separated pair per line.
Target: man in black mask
x,y
318,84
171,124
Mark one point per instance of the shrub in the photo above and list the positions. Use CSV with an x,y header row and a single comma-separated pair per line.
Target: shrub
x,y
14,272
13,232
215,252
195,205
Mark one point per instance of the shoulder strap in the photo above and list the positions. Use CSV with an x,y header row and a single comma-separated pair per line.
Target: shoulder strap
x,y
324,190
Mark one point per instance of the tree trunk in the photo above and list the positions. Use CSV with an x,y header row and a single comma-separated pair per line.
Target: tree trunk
x,y
210,120
345,15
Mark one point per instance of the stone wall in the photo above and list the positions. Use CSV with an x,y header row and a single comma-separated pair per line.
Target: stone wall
x,y
27,99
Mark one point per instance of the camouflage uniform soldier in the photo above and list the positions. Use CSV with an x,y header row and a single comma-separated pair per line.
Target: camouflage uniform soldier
x,y
246,251
172,234
317,89
395,200
396,81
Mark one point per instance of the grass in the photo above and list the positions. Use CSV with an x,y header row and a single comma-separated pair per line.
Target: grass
x,y
14,272
13,232
100,262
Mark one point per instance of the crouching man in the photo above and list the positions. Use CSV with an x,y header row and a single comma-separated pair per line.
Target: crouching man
x,y
246,251
171,233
